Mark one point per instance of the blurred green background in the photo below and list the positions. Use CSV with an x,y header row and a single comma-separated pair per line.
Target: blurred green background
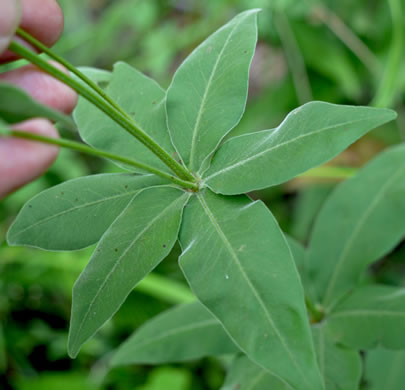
x,y
347,52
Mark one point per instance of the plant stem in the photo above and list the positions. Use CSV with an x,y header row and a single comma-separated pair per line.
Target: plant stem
x,y
294,58
117,116
348,37
386,91
79,147
165,289
37,44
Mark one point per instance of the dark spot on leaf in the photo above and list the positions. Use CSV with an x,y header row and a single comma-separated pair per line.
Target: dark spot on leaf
x,y
126,187
77,199
62,193
164,246
245,51
153,102
30,206
115,249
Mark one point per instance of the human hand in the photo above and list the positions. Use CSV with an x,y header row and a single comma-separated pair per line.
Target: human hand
x,y
22,161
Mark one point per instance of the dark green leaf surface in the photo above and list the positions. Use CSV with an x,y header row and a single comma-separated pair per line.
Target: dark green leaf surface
x,y
370,316
179,334
17,106
208,93
245,375
144,100
238,263
309,136
76,213
385,370
341,368
134,245
361,221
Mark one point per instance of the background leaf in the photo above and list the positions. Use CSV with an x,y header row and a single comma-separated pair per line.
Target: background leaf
x,y
179,334
18,106
245,375
208,93
133,246
362,220
340,367
385,370
370,316
309,136
144,100
85,207
254,288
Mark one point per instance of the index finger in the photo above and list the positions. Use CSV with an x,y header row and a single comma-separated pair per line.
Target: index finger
x,y
43,19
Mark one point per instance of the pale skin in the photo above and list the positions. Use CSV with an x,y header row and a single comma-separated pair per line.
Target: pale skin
x,y
22,161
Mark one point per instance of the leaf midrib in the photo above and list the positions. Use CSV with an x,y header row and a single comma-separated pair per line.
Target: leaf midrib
x,y
118,262
273,134
367,312
204,97
234,256
75,208
179,330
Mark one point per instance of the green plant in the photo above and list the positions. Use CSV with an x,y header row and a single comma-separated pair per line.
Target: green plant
x,y
188,185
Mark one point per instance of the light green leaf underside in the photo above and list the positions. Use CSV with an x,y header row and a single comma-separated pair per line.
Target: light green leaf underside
x,y
370,316
385,370
133,246
144,100
179,334
340,367
361,221
245,375
238,247
208,93
309,136
4,128
17,106
76,213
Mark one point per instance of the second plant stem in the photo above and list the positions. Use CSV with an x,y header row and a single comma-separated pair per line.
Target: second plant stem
x,y
100,153
123,120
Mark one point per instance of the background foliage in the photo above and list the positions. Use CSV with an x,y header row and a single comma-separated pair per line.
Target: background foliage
x,y
324,50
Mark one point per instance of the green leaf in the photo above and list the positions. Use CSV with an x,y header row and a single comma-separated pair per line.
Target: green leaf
x,y
100,76
245,375
144,100
360,222
385,370
341,368
208,93
17,106
299,254
309,136
179,334
133,246
238,264
370,316
76,213
4,129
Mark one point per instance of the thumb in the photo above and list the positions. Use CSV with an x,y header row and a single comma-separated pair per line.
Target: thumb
x,y
10,16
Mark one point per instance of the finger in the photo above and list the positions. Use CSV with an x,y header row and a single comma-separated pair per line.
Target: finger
x,y
9,20
22,161
43,87
43,19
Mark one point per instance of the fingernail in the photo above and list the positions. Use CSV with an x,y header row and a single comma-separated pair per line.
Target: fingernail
x,y
10,17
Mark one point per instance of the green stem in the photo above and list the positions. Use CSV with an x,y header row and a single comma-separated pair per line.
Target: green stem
x,y
315,311
79,147
115,115
37,44
386,91
165,289
294,58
